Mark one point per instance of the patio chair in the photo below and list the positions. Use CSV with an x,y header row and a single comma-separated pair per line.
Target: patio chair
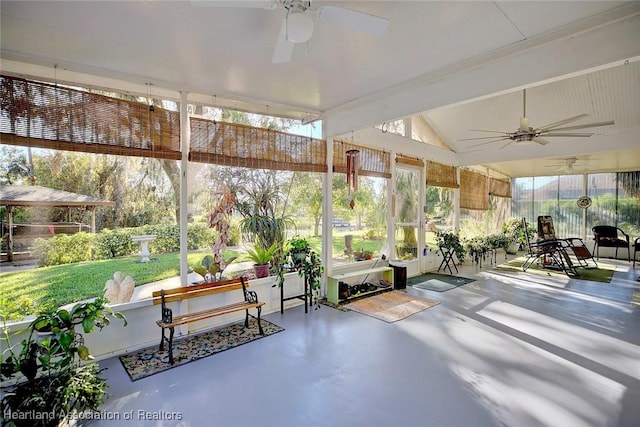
x,y
636,249
548,250
608,236
581,254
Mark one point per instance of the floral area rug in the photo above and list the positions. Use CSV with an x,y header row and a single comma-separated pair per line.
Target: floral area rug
x,y
151,360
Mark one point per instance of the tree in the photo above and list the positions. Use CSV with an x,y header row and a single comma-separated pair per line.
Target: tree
x,y
14,166
406,207
306,195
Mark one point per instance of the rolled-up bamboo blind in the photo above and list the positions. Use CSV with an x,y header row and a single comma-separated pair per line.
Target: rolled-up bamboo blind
x,y
499,187
371,162
42,115
439,175
409,161
233,144
473,191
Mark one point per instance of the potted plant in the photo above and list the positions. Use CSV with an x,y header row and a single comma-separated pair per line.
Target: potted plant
x,y
50,379
512,228
262,258
299,248
451,241
477,247
497,241
209,269
311,270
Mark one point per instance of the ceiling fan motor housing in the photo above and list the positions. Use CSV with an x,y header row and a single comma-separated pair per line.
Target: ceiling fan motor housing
x,y
296,6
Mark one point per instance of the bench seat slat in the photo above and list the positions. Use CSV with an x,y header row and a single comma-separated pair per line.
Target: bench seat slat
x,y
206,314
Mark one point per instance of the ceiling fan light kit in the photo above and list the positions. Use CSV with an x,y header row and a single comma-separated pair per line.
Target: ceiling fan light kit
x,y
299,27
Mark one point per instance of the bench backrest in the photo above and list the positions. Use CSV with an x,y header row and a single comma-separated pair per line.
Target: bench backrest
x,y
208,288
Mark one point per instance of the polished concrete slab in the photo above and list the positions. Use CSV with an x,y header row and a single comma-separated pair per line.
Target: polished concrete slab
x,y
506,350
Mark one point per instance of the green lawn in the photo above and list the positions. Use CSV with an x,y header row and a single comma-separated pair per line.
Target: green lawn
x,y
40,289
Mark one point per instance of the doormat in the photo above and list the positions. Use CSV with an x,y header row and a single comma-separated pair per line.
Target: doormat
x,y
391,306
437,282
602,274
151,360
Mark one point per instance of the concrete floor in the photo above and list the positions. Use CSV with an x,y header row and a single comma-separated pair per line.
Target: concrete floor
x,y
506,350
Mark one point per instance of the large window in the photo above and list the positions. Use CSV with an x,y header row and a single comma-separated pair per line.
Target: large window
x,y
614,201
359,232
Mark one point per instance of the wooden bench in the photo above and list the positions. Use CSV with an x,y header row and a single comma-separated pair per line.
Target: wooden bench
x,y
169,321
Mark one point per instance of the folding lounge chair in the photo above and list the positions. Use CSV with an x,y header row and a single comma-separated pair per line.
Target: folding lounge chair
x,y
580,252
548,250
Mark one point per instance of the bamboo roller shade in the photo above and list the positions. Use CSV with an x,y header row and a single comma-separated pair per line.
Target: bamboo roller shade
x,y
232,144
42,115
371,162
473,191
439,175
409,161
499,187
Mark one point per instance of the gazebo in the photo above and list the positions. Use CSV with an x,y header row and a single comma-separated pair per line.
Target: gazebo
x,y
35,195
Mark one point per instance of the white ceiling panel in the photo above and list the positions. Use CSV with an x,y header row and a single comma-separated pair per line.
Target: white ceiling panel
x,y
435,58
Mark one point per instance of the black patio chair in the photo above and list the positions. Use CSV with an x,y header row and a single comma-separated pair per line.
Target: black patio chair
x,y
608,236
636,249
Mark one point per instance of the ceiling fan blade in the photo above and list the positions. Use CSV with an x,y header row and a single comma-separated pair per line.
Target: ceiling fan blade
x,y
371,24
487,142
585,135
479,138
587,125
284,48
255,4
561,122
540,141
492,131
506,145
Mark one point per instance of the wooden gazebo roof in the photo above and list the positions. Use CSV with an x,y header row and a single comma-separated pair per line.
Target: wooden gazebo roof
x,y
35,195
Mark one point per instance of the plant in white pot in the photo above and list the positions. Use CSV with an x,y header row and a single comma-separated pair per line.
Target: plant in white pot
x,y
512,228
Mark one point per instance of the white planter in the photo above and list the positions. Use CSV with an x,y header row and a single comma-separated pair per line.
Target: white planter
x,y
513,248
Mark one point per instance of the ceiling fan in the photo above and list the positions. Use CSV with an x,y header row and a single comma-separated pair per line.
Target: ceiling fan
x,y
569,164
526,133
297,25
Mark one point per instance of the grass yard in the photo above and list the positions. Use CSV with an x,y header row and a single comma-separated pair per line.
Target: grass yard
x,y
41,289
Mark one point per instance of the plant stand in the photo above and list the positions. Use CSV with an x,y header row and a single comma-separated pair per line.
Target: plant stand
x,y
304,296
447,259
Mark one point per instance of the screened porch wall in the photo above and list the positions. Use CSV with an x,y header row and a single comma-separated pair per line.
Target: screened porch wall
x,y
611,204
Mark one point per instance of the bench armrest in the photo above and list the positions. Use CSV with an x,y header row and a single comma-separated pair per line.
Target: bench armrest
x,y
250,296
167,313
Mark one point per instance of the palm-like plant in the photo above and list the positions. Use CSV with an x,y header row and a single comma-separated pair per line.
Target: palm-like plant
x,y
262,256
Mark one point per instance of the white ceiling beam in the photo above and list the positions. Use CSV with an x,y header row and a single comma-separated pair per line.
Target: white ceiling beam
x,y
156,90
576,49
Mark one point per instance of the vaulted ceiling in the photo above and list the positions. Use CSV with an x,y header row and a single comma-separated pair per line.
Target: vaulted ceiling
x,y
461,65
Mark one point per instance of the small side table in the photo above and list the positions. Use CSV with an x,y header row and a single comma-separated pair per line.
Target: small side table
x,y
144,245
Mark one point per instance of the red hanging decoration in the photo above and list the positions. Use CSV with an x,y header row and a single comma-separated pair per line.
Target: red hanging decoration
x,y
352,173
